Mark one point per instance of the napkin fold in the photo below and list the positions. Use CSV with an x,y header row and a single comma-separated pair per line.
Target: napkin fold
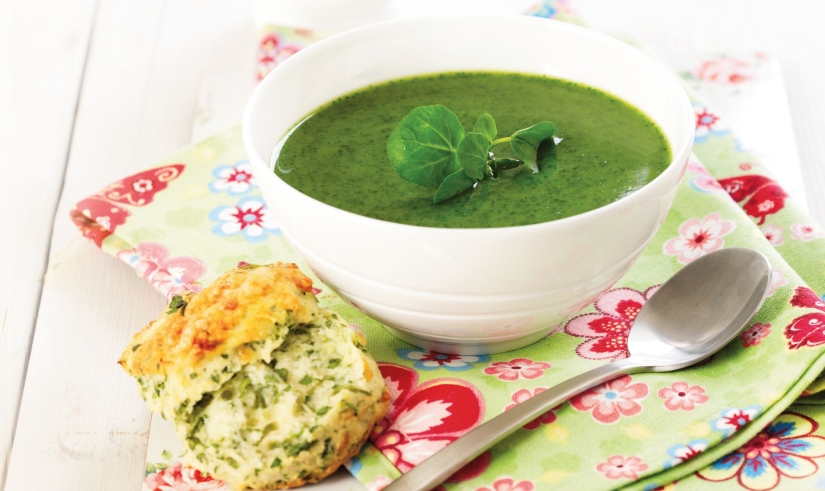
x,y
748,418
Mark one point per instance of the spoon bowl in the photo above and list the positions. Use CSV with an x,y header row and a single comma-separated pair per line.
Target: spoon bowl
x,y
700,309
690,317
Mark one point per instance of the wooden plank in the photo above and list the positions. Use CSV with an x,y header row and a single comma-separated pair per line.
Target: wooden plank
x,y
40,76
82,425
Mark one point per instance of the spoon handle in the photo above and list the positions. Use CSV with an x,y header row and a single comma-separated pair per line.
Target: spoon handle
x,y
444,463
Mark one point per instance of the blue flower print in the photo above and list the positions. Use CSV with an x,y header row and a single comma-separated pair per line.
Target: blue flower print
x,y
732,420
235,179
429,360
250,217
680,453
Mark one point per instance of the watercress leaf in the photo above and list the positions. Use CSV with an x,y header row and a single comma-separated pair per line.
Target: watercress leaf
x,y
546,157
526,142
455,183
472,154
486,125
422,147
506,163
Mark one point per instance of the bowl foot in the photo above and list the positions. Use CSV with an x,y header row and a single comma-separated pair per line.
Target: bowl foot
x,y
469,347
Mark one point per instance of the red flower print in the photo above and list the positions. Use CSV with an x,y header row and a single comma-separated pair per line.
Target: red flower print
x,y
725,71
706,118
508,484
522,395
140,189
766,196
786,448
806,231
621,467
683,396
179,477
698,237
708,122
142,186
606,330
95,213
171,276
99,215
517,368
809,329
754,334
612,400
423,419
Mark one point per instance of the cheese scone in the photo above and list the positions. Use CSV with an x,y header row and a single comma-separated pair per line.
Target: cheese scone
x,y
266,389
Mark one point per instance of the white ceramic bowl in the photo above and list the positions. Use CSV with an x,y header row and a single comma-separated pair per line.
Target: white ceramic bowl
x,y
466,291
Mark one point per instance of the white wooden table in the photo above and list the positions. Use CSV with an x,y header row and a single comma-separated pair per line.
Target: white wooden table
x,y
92,90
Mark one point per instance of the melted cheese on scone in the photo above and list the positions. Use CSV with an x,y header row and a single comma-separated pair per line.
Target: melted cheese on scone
x,y
266,389
241,317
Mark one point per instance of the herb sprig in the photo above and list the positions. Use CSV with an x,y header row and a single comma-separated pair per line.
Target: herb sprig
x,y
177,304
430,147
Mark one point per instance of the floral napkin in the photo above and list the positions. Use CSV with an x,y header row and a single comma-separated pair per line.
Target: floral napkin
x,y
747,418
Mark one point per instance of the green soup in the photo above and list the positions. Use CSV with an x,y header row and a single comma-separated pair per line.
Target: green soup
x,y
607,150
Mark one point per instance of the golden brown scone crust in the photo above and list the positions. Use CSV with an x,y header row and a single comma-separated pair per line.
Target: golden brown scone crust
x,y
227,314
242,316
253,372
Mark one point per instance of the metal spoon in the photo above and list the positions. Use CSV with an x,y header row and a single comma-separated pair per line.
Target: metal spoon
x,y
692,315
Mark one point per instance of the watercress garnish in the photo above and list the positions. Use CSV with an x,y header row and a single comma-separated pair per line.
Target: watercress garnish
x,y
177,304
429,147
422,148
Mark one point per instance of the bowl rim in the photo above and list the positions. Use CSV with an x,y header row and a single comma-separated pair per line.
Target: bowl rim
x,y
678,155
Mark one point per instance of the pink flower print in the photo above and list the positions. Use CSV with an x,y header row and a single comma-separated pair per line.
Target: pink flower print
x,y
606,330
522,395
508,484
234,179
612,400
746,166
777,280
517,368
271,52
754,334
704,180
178,477
774,233
171,276
423,419
698,237
732,420
806,231
621,467
725,71
682,396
